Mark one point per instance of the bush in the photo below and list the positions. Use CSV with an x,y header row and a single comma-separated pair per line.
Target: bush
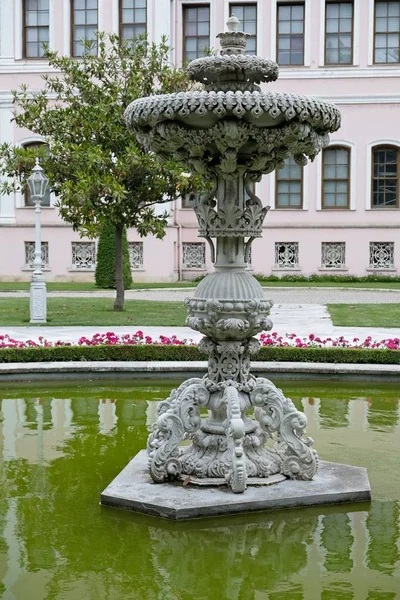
x,y
105,262
158,352
329,278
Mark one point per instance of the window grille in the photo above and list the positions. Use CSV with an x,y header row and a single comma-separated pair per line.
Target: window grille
x,y
36,27
30,255
135,255
83,255
286,255
194,255
381,255
333,255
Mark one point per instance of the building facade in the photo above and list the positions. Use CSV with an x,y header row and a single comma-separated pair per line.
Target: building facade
x,y
339,214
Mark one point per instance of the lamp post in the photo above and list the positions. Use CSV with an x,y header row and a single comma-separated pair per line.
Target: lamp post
x,y
37,183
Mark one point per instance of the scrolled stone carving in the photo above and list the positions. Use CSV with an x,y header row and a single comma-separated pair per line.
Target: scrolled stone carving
x,y
319,114
260,150
232,71
228,318
177,416
276,413
235,432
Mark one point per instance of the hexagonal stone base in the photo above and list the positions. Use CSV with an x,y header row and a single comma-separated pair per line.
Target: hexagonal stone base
x,y
133,489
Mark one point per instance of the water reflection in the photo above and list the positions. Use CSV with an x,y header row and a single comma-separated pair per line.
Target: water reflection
x,y
56,543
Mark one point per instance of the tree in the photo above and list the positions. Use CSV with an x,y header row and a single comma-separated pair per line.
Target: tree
x,y
95,166
105,261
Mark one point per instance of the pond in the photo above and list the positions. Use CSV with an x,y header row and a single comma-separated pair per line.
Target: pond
x,y
61,446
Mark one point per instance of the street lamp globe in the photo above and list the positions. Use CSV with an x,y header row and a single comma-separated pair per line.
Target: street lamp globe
x,y
37,181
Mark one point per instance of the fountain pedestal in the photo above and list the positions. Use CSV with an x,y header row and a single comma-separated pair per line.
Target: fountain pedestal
x,y
232,133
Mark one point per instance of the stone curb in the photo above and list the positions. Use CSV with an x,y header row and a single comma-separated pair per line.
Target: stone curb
x,y
295,370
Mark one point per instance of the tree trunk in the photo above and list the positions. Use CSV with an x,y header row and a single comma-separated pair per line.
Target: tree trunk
x,y
119,278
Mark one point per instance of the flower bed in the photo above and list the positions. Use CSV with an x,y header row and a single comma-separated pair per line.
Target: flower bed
x,y
266,339
312,341
138,347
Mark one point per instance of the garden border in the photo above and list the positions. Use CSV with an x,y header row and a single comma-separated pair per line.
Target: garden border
x,y
161,353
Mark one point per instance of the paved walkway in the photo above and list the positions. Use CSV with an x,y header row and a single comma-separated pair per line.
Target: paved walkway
x,y
280,295
296,310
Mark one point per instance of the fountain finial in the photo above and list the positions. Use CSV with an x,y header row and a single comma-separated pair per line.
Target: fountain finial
x,y
233,41
233,23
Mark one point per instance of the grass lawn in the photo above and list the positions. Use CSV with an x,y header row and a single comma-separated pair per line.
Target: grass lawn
x,y
52,286
93,311
365,315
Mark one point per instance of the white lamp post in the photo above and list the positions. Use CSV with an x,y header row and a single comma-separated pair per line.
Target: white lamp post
x,y
37,183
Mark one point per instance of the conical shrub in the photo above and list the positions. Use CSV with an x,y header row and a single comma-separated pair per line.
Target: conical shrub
x,y
105,262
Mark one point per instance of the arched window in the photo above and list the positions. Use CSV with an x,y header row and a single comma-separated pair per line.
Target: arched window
x,y
385,177
336,177
289,185
46,197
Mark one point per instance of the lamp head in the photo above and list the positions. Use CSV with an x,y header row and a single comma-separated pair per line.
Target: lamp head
x,y
37,181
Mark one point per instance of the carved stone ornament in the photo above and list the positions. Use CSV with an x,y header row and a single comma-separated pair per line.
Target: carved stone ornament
x,y
232,132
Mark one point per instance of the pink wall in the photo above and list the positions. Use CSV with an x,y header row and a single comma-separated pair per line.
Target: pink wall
x,y
368,96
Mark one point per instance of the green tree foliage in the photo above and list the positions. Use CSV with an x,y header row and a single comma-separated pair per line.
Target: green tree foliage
x,y
94,164
105,261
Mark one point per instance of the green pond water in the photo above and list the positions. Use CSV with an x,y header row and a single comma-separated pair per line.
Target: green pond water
x,y
62,445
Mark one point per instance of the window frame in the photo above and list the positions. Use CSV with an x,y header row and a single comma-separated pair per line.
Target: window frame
x,y
339,64
281,4
289,207
348,151
385,147
24,27
72,25
246,4
374,62
120,23
184,9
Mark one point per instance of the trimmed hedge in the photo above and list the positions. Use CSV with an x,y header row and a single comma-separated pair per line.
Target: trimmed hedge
x,y
105,260
191,353
329,278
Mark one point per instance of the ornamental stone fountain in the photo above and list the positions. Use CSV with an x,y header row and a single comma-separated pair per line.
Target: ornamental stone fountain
x,y
232,133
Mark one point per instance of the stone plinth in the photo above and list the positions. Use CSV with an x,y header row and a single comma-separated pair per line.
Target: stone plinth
x,y
133,489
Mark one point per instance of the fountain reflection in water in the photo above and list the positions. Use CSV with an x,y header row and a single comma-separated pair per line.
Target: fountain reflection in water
x,y
55,453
